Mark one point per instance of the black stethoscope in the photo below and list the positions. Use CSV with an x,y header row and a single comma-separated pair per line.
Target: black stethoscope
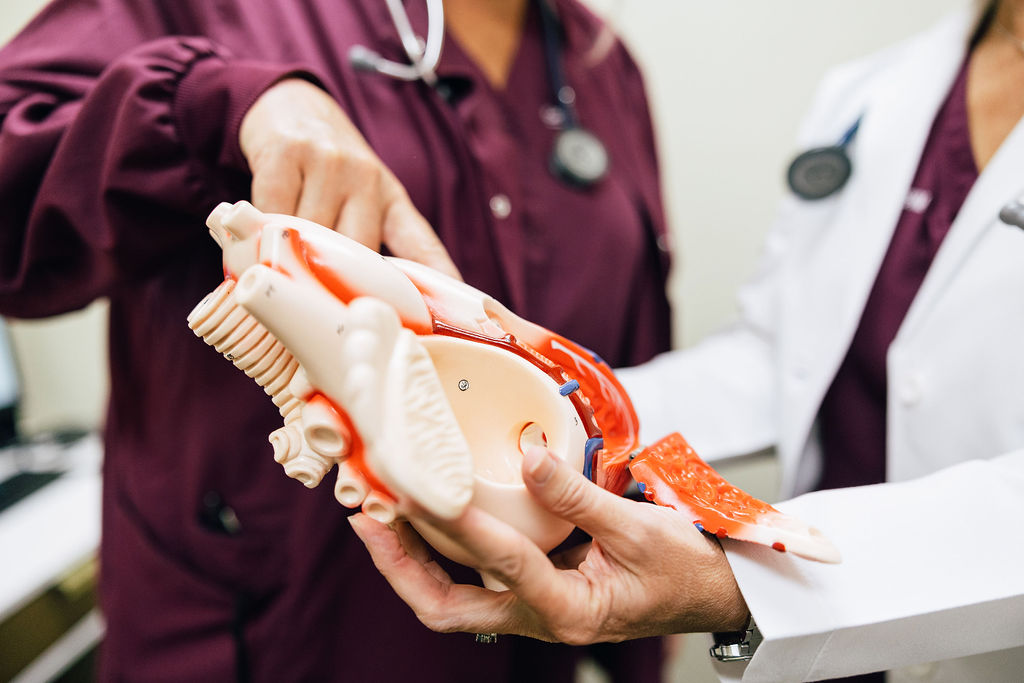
x,y
578,157
823,171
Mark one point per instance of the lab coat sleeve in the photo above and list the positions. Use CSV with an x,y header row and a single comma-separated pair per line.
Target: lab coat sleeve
x,y
116,135
722,393
930,571
718,395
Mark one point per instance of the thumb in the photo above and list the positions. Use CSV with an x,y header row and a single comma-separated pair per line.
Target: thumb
x,y
571,496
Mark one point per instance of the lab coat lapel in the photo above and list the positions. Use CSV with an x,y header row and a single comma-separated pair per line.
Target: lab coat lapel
x,y
1001,181
897,121
897,116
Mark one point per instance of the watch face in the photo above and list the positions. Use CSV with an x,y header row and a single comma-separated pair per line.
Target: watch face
x,y
579,157
820,172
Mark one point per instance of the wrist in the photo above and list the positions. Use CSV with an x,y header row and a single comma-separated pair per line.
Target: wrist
x,y
733,615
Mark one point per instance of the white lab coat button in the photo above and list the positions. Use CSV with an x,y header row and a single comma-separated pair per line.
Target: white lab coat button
x,y
500,205
911,391
663,243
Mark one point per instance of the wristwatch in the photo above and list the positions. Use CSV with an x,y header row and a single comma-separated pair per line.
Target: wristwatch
x,y
736,646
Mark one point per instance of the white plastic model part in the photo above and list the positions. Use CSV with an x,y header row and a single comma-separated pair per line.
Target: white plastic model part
x,y
425,393
414,420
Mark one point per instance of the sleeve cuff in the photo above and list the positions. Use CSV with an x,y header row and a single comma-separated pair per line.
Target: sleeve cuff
x,y
213,97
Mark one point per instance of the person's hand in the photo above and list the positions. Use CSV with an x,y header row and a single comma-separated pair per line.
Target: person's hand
x,y
308,160
648,571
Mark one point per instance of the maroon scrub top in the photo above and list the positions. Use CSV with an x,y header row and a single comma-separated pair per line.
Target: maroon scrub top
x,y
119,134
852,416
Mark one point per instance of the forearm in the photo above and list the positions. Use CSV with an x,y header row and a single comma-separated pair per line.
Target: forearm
x,y
110,167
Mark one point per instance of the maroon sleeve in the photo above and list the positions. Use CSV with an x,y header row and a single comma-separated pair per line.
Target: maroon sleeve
x,y
114,139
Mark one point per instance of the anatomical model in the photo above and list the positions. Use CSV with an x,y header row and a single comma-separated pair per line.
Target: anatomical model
x,y
425,392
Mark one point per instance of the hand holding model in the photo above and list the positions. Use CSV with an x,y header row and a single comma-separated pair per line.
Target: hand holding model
x,y
427,394
308,160
648,570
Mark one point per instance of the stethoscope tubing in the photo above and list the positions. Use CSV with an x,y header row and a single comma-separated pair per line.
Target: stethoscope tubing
x,y
563,94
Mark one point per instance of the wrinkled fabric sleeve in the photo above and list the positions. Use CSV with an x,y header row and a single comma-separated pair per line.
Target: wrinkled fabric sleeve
x,y
919,582
114,140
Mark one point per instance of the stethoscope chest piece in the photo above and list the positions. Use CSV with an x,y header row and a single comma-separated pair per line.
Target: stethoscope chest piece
x,y
822,171
819,172
578,157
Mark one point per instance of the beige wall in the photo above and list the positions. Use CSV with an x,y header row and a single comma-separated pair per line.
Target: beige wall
x,y
15,13
728,79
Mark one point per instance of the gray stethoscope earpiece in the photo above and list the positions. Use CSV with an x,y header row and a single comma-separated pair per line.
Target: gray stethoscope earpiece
x,y
822,171
1013,213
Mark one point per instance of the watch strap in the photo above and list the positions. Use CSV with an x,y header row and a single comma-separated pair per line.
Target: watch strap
x,y
736,646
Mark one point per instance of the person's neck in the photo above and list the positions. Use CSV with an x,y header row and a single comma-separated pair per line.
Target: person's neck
x,y
995,75
489,32
1010,14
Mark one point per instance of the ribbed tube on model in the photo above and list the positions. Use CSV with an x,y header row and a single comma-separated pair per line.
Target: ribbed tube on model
x,y
227,327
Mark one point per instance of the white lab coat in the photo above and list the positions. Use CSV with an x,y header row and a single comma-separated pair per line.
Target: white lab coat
x,y
933,563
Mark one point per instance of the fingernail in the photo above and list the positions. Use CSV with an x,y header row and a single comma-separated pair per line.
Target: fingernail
x,y
539,464
356,524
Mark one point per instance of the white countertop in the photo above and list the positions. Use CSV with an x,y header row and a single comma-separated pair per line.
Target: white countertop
x,y
54,529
